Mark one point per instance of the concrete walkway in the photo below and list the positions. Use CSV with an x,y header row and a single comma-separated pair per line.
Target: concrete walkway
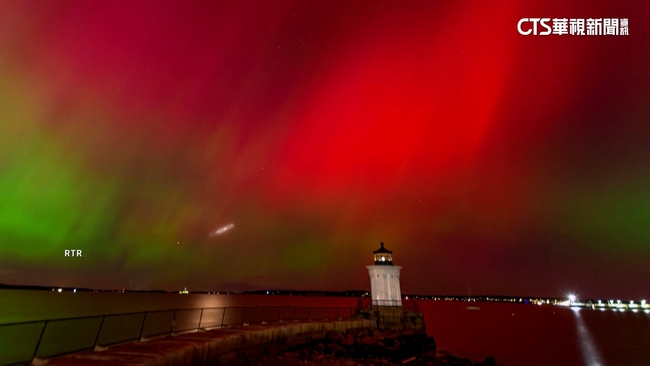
x,y
215,347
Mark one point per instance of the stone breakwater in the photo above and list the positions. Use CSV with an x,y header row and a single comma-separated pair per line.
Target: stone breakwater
x,y
226,346
370,347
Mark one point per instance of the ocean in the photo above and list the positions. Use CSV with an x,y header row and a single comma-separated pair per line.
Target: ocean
x,y
515,334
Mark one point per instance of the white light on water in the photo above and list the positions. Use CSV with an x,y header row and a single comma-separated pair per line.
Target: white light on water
x,y
590,352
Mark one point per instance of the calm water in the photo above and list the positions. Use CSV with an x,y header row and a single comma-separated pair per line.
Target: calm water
x,y
517,334
514,334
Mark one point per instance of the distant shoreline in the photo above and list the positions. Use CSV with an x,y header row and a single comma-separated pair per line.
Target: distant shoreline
x,y
631,304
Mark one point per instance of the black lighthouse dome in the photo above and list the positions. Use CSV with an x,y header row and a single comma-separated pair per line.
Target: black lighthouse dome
x,y
383,256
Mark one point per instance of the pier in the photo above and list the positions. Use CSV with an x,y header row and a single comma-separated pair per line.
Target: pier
x,y
226,346
35,341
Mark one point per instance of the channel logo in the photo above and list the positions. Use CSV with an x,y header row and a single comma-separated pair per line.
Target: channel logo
x,y
573,27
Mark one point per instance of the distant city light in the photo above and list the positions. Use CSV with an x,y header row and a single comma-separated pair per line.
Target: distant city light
x,y
572,297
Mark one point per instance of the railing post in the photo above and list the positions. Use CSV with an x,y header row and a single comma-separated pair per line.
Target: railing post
x,y
200,318
171,328
144,320
38,344
100,330
223,316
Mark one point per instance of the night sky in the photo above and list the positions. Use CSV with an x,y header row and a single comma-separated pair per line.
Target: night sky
x,y
488,161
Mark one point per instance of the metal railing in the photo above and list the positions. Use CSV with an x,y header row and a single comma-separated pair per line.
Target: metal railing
x,y
55,337
368,303
392,303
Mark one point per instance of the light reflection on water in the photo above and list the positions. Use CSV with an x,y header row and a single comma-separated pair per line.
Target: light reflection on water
x,y
590,351
18,305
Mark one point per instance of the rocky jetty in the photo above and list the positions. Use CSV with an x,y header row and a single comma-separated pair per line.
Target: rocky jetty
x,y
370,347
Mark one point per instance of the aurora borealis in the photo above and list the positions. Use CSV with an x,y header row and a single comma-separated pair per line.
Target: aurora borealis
x,y
488,161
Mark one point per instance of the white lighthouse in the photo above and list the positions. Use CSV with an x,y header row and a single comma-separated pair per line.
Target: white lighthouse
x,y
384,279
